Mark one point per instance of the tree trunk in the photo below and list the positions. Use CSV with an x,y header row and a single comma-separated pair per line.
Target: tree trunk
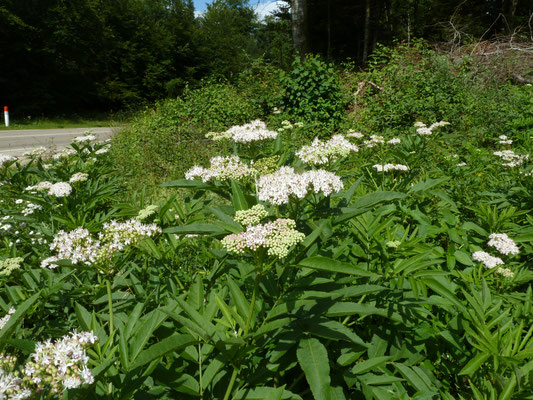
x,y
299,26
366,39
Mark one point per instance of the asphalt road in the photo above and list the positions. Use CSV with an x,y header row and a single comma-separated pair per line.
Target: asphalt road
x,y
16,142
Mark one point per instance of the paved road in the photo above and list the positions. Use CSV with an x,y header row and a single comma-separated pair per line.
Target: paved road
x,y
16,142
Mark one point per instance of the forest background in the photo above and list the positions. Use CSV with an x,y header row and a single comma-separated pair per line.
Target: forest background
x,y
79,56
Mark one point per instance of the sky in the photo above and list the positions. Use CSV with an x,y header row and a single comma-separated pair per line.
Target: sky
x,y
262,7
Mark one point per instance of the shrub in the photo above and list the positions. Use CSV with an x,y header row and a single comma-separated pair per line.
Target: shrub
x,y
313,92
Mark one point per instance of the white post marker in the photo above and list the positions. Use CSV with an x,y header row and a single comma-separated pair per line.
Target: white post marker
x,y
6,115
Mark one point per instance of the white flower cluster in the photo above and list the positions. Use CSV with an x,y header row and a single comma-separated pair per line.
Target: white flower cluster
x,y
218,136
85,138
4,159
103,150
252,216
319,152
60,189
488,260
38,151
60,365
64,154
78,177
277,237
503,243
44,185
352,134
513,159
422,129
147,212
391,167
276,188
80,247
254,131
5,319
374,141
221,168
504,140
461,164
30,208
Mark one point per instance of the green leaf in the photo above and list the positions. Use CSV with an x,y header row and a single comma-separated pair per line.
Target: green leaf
x,y
313,359
330,265
427,184
371,364
366,203
15,319
463,257
238,199
266,393
201,229
187,183
84,317
172,343
243,307
141,337
474,364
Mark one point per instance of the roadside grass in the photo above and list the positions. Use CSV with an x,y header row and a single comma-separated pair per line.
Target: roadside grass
x,y
97,121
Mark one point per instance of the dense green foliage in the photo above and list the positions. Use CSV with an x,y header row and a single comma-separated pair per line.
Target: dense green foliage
x,y
313,92
376,290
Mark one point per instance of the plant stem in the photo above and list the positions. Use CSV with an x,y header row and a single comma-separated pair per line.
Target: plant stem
x,y
231,382
246,328
110,304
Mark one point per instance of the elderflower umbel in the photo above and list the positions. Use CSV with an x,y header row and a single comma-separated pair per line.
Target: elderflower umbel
x,y
86,138
146,212
80,247
61,364
221,168
5,319
422,129
60,189
374,141
4,159
252,132
64,154
391,167
485,258
513,159
277,237
78,177
503,243
506,272
35,152
504,140
356,135
323,152
43,185
252,216
276,188
9,265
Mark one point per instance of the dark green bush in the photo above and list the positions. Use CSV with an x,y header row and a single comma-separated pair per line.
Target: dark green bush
x,y
313,92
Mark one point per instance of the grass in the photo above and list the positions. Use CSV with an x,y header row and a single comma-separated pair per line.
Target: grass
x,y
97,121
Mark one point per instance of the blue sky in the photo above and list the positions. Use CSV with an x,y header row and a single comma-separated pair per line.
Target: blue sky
x,y
262,7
